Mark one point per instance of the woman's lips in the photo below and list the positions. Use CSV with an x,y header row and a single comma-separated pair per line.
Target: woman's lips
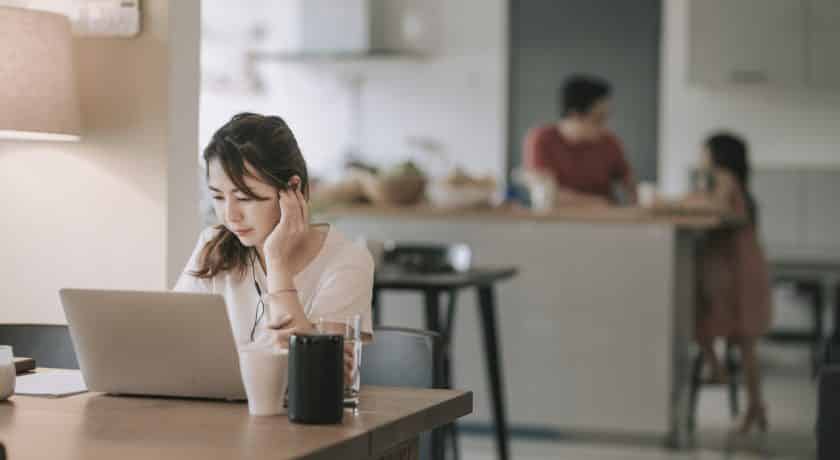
x,y
243,232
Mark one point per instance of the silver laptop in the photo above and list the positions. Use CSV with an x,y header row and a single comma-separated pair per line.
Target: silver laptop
x,y
154,343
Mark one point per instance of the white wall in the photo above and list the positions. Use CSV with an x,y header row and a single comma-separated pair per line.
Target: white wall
x,y
456,96
94,214
785,127
183,220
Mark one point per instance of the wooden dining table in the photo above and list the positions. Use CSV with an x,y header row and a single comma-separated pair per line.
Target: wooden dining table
x,y
386,425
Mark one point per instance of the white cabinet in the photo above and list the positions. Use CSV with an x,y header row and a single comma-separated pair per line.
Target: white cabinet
x,y
823,41
798,211
773,42
747,42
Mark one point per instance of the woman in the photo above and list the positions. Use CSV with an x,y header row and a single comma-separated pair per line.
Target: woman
x,y
735,289
582,156
277,272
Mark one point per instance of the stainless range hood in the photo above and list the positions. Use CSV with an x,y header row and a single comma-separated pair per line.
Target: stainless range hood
x,y
347,28
330,27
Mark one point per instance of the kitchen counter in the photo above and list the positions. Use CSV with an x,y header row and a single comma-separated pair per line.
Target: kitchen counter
x,y
595,332
629,215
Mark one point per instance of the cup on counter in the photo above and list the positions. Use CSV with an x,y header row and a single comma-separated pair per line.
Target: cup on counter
x,y
646,192
264,370
543,197
542,189
7,372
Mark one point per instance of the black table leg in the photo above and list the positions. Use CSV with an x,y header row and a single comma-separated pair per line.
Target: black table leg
x,y
819,315
431,298
445,330
835,332
487,307
375,307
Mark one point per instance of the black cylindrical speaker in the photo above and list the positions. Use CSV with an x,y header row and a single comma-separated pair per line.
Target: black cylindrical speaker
x,y
316,378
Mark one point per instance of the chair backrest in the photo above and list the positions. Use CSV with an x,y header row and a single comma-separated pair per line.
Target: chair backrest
x,y
50,345
828,411
404,357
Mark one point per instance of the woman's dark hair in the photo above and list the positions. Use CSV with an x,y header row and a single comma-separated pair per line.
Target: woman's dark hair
x,y
581,92
267,144
729,151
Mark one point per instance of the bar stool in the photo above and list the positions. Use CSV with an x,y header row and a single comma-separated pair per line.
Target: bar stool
x,y
697,381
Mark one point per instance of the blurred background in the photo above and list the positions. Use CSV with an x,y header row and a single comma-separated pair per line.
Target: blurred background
x,y
413,117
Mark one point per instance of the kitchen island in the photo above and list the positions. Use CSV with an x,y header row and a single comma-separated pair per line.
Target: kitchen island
x,y
595,332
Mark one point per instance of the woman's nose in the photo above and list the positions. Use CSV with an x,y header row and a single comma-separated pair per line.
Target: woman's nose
x,y
232,212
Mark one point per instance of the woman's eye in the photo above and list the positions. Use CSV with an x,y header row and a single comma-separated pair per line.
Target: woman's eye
x,y
218,198
242,199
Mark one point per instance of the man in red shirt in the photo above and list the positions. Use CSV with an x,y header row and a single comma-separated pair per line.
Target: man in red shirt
x,y
579,152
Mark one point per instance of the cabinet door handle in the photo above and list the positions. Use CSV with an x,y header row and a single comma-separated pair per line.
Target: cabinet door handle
x,y
748,76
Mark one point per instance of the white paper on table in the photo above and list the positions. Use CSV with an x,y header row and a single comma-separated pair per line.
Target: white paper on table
x,y
52,383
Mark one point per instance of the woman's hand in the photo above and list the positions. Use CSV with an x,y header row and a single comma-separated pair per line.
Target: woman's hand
x,y
280,245
348,364
282,328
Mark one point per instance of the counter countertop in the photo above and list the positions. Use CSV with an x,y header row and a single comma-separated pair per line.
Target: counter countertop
x,y
619,215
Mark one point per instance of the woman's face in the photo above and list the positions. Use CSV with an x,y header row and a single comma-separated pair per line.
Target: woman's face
x,y
251,220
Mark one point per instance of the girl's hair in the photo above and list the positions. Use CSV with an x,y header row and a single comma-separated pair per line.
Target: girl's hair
x,y
266,144
729,151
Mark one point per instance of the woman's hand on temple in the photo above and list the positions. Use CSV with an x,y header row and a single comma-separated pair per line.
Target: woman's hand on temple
x,y
290,232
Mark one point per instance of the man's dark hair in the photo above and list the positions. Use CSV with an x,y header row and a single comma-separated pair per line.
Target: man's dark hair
x,y
580,92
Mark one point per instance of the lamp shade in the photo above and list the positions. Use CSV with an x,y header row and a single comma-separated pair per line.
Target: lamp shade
x,y
38,96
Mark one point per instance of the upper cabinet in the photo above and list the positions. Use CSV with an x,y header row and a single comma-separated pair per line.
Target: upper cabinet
x,y
769,42
823,43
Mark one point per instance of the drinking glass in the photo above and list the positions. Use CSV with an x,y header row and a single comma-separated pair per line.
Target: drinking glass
x,y
350,327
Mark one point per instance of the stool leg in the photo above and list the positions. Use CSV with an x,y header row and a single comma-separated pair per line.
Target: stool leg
x,y
819,312
432,301
835,328
694,392
450,329
493,357
732,370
